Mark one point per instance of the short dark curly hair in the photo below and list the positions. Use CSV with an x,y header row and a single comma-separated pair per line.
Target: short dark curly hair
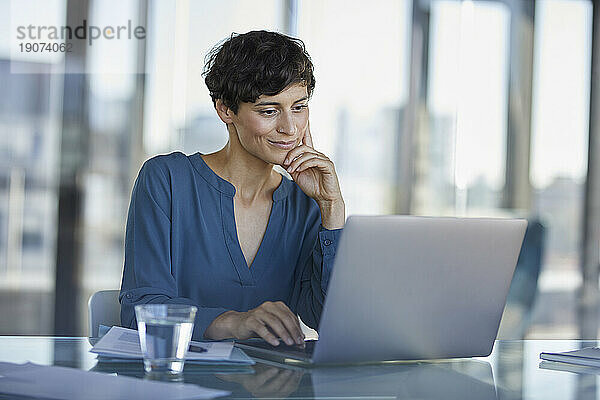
x,y
246,66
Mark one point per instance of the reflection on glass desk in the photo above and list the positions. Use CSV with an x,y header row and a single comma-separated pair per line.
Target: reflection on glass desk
x,y
512,371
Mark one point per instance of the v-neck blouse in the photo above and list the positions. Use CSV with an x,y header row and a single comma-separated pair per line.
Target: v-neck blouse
x,y
181,246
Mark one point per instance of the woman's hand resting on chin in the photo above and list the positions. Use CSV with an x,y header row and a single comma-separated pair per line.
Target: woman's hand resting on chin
x,y
315,174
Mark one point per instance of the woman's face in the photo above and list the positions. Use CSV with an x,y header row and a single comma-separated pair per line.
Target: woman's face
x,y
273,125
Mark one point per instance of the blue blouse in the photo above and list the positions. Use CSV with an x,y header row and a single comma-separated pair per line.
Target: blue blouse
x,y
181,246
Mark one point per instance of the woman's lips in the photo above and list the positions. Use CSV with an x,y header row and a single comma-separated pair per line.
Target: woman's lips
x,y
285,145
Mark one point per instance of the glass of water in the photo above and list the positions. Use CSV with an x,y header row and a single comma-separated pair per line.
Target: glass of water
x,y
165,331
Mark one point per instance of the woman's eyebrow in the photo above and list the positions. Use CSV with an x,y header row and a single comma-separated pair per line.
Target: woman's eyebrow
x,y
301,99
267,103
274,103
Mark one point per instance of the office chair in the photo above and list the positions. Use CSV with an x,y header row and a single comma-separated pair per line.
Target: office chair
x,y
523,289
103,309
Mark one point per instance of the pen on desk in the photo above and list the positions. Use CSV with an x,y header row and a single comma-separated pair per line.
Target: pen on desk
x,y
197,349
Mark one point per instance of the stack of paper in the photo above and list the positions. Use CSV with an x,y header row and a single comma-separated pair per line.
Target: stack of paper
x,y
39,381
123,344
589,356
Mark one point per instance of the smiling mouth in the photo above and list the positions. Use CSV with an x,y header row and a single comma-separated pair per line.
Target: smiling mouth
x,y
282,144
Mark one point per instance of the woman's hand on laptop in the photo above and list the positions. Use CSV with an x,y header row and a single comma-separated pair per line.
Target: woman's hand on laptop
x,y
269,321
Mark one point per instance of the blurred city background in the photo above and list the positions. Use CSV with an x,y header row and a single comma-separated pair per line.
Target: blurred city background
x,y
435,107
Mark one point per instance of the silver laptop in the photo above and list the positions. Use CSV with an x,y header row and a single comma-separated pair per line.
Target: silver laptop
x,y
411,288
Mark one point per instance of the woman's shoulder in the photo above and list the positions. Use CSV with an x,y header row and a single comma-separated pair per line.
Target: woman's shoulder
x,y
170,161
164,166
159,172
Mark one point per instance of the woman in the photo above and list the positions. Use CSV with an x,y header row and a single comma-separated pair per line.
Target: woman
x,y
224,231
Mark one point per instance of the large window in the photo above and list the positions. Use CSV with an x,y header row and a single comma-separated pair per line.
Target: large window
x,y
112,130
463,141
30,124
461,152
561,87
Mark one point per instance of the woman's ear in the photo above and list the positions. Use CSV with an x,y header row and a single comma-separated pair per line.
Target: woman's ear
x,y
223,111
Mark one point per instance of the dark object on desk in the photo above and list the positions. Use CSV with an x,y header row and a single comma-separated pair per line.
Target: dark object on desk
x,y
197,349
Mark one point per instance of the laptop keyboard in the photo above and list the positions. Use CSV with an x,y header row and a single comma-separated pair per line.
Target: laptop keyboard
x,y
283,348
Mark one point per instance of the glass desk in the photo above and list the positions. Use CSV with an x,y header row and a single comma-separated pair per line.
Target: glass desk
x,y
512,371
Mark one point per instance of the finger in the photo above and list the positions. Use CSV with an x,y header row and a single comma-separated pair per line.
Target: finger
x,y
308,137
275,324
299,160
322,165
298,151
261,330
291,322
285,316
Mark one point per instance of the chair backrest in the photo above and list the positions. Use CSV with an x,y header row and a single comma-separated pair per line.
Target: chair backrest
x,y
103,309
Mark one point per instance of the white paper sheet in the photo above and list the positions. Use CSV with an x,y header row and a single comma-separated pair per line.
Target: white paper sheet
x,y
125,343
67,383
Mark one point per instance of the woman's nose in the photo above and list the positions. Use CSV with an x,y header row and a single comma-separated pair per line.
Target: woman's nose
x,y
286,125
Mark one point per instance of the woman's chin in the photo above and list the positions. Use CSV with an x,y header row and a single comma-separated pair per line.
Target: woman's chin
x,y
275,157
275,161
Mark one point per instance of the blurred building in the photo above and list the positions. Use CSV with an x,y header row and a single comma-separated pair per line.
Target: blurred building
x,y
28,156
